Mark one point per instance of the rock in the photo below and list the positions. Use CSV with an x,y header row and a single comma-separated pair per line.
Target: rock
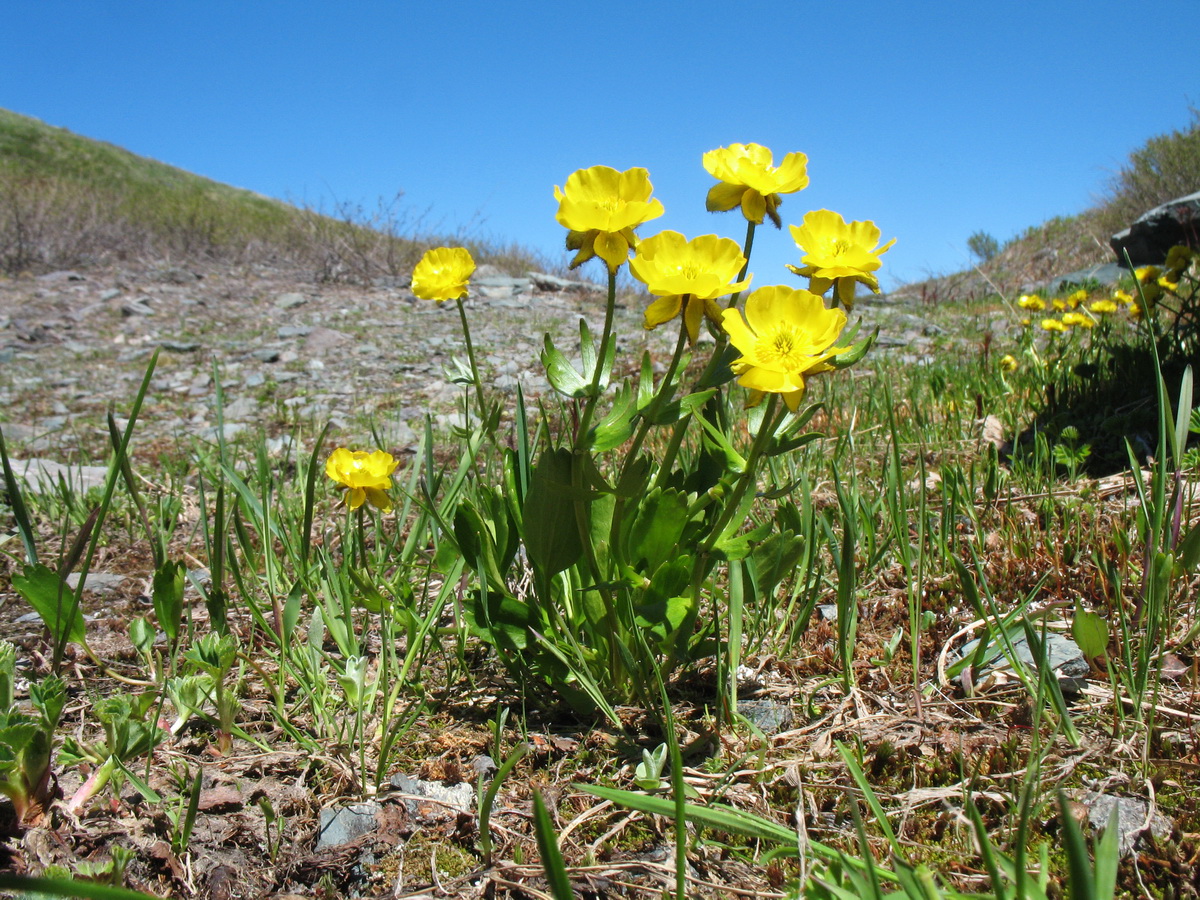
x,y
97,582
287,331
545,282
432,798
44,475
322,339
180,346
105,296
1065,657
267,355
346,825
136,308
767,716
1105,273
1155,232
1131,819
289,300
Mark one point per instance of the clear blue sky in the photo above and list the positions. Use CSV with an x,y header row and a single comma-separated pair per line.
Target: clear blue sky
x,y
935,119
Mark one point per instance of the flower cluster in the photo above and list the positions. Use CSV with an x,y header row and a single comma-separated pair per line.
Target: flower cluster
x,y
785,334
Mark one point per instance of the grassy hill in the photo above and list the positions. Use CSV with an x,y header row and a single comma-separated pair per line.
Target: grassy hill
x,y
68,200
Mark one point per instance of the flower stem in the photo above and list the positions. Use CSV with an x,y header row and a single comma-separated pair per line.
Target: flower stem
x,y
585,420
462,315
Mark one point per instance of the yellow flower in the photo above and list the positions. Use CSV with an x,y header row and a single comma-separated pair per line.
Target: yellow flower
x,y
786,335
1077,320
1152,292
1076,298
687,277
1031,301
442,274
1009,363
1178,258
750,179
1026,322
366,476
1146,274
1103,307
1059,304
1167,284
837,252
1053,325
600,207
1122,297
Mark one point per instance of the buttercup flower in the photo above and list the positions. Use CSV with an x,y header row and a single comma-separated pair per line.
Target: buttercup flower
x,y
1146,274
1031,301
1077,320
786,335
365,476
1059,304
1076,298
1053,325
601,206
1008,363
1123,297
1178,257
1167,283
1103,307
838,253
442,274
750,179
687,277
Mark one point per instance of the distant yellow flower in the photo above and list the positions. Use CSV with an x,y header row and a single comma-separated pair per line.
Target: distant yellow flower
x,y
365,476
838,253
1178,257
750,179
1168,284
600,207
1146,274
1078,320
1053,325
1122,297
1076,298
442,274
1031,301
687,277
786,335
1009,363
1059,304
1103,307
1026,322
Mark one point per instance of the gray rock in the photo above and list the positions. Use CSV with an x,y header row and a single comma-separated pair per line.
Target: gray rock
x,y
97,582
322,339
767,716
346,825
180,346
266,354
1065,657
453,798
56,277
1106,273
288,331
105,296
290,300
544,282
1155,232
44,475
136,308
1131,819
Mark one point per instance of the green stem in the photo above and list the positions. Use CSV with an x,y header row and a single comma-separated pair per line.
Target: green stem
x,y
661,396
589,409
462,315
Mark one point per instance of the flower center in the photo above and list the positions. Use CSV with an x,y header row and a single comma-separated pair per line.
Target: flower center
x,y
777,349
841,247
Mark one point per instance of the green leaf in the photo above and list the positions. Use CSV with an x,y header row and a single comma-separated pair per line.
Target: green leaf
x,y
563,376
552,859
855,352
617,426
653,538
167,592
739,546
675,410
1090,632
551,531
774,559
49,595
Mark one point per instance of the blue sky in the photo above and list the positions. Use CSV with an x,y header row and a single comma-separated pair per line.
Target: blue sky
x,y
934,119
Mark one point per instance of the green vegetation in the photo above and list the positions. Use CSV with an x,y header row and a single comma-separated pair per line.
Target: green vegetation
x,y
587,587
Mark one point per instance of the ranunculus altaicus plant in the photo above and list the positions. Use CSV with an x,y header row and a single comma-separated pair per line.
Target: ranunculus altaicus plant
x,y
365,476
749,179
443,274
687,276
600,207
836,252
